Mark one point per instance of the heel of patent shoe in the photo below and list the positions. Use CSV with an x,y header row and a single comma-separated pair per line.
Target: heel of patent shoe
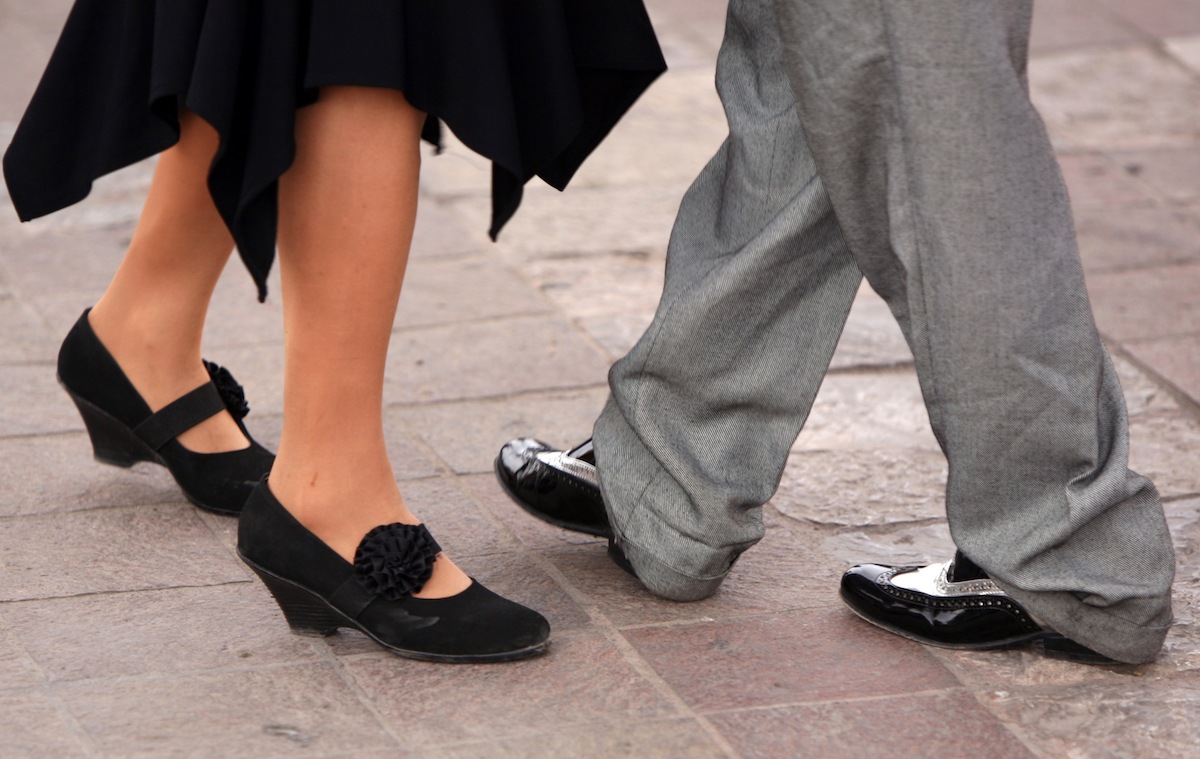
x,y
305,612
112,442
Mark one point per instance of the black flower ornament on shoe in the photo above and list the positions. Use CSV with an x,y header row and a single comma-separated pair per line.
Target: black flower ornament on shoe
x,y
396,560
232,394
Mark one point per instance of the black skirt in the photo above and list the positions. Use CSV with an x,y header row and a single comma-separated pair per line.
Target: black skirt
x,y
533,85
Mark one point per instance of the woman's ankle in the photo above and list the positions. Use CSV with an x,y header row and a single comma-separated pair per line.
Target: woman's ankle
x,y
164,366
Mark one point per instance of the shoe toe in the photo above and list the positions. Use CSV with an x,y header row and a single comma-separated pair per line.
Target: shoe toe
x,y
553,486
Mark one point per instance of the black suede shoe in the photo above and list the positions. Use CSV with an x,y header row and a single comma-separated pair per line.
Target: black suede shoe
x,y
123,430
558,487
319,591
951,605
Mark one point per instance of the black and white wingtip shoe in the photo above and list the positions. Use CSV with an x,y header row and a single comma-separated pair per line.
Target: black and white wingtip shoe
x,y
952,605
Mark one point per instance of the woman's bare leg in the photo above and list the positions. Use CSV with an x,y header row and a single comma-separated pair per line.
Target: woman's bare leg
x,y
347,208
152,314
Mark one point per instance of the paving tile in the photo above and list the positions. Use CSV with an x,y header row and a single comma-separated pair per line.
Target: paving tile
x,y
617,333
438,233
664,739
1126,99
1186,50
587,220
461,527
228,626
1160,18
867,411
900,544
863,488
411,460
1172,173
464,289
559,418
666,138
37,263
134,548
1143,395
489,359
24,337
1094,179
927,725
17,669
34,727
780,573
236,318
792,657
530,531
1163,447
1122,238
584,680
1065,24
594,284
1132,305
1129,717
456,174
871,337
33,402
1175,358
56,473
301,709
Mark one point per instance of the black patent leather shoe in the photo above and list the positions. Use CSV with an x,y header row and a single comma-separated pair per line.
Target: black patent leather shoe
x,y
558,487
951,605
319,591
124,431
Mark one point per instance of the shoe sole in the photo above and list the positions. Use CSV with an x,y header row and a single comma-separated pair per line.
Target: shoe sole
x,y
1050,644
308,614
572,526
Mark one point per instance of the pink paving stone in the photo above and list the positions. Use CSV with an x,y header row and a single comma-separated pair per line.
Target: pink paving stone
x,y
584,679
1092,179
1060,24
1147,303
1177,359
931,726
1173,173
1161,18
792,657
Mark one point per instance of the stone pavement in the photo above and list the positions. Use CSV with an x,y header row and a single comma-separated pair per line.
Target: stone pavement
x,y
129,628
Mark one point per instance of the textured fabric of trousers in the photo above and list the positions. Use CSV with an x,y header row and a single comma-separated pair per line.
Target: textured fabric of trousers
x,y
893,139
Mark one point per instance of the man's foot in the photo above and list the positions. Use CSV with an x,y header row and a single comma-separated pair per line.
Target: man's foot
x,y
951,605
558,487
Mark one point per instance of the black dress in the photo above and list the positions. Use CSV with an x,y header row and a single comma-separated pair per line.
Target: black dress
x,y
533,85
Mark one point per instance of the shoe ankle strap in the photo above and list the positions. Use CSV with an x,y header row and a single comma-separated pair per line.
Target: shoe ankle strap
x,y
180,415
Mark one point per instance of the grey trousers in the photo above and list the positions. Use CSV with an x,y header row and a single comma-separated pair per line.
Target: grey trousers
x,y
893,139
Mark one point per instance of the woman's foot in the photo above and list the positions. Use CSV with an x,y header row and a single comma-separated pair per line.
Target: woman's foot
x,y
124,430
386,593
162,370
